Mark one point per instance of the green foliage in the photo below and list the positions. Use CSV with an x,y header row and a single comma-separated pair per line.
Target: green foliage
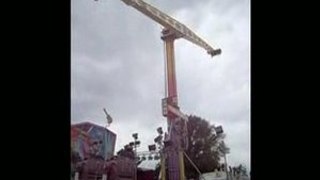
x,y
201,150
241,169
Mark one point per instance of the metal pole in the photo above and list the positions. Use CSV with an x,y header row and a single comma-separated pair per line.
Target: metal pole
x,y
226,165
195,167
163,166
172,152
181,165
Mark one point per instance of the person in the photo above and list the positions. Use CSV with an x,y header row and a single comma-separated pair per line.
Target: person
x,y
230,170
238,174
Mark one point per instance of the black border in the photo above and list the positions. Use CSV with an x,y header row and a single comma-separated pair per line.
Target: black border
x,y
277,83
37,89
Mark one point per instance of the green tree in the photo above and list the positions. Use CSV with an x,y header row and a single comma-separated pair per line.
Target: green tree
x,y
202,148
242,170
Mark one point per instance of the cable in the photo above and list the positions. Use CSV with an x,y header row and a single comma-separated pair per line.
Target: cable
x,y
194,165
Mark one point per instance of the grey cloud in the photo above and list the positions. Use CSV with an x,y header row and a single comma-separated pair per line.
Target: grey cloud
x,y
117,62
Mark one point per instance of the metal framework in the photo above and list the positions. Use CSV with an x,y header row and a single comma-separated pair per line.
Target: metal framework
x,y
172,156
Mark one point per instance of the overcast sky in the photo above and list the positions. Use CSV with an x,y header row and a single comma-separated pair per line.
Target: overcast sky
x,y
117,62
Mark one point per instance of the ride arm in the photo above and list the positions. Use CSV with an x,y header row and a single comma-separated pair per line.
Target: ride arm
x,y
170,23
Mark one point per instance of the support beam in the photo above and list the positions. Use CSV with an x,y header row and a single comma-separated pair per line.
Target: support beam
x,y
177,112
